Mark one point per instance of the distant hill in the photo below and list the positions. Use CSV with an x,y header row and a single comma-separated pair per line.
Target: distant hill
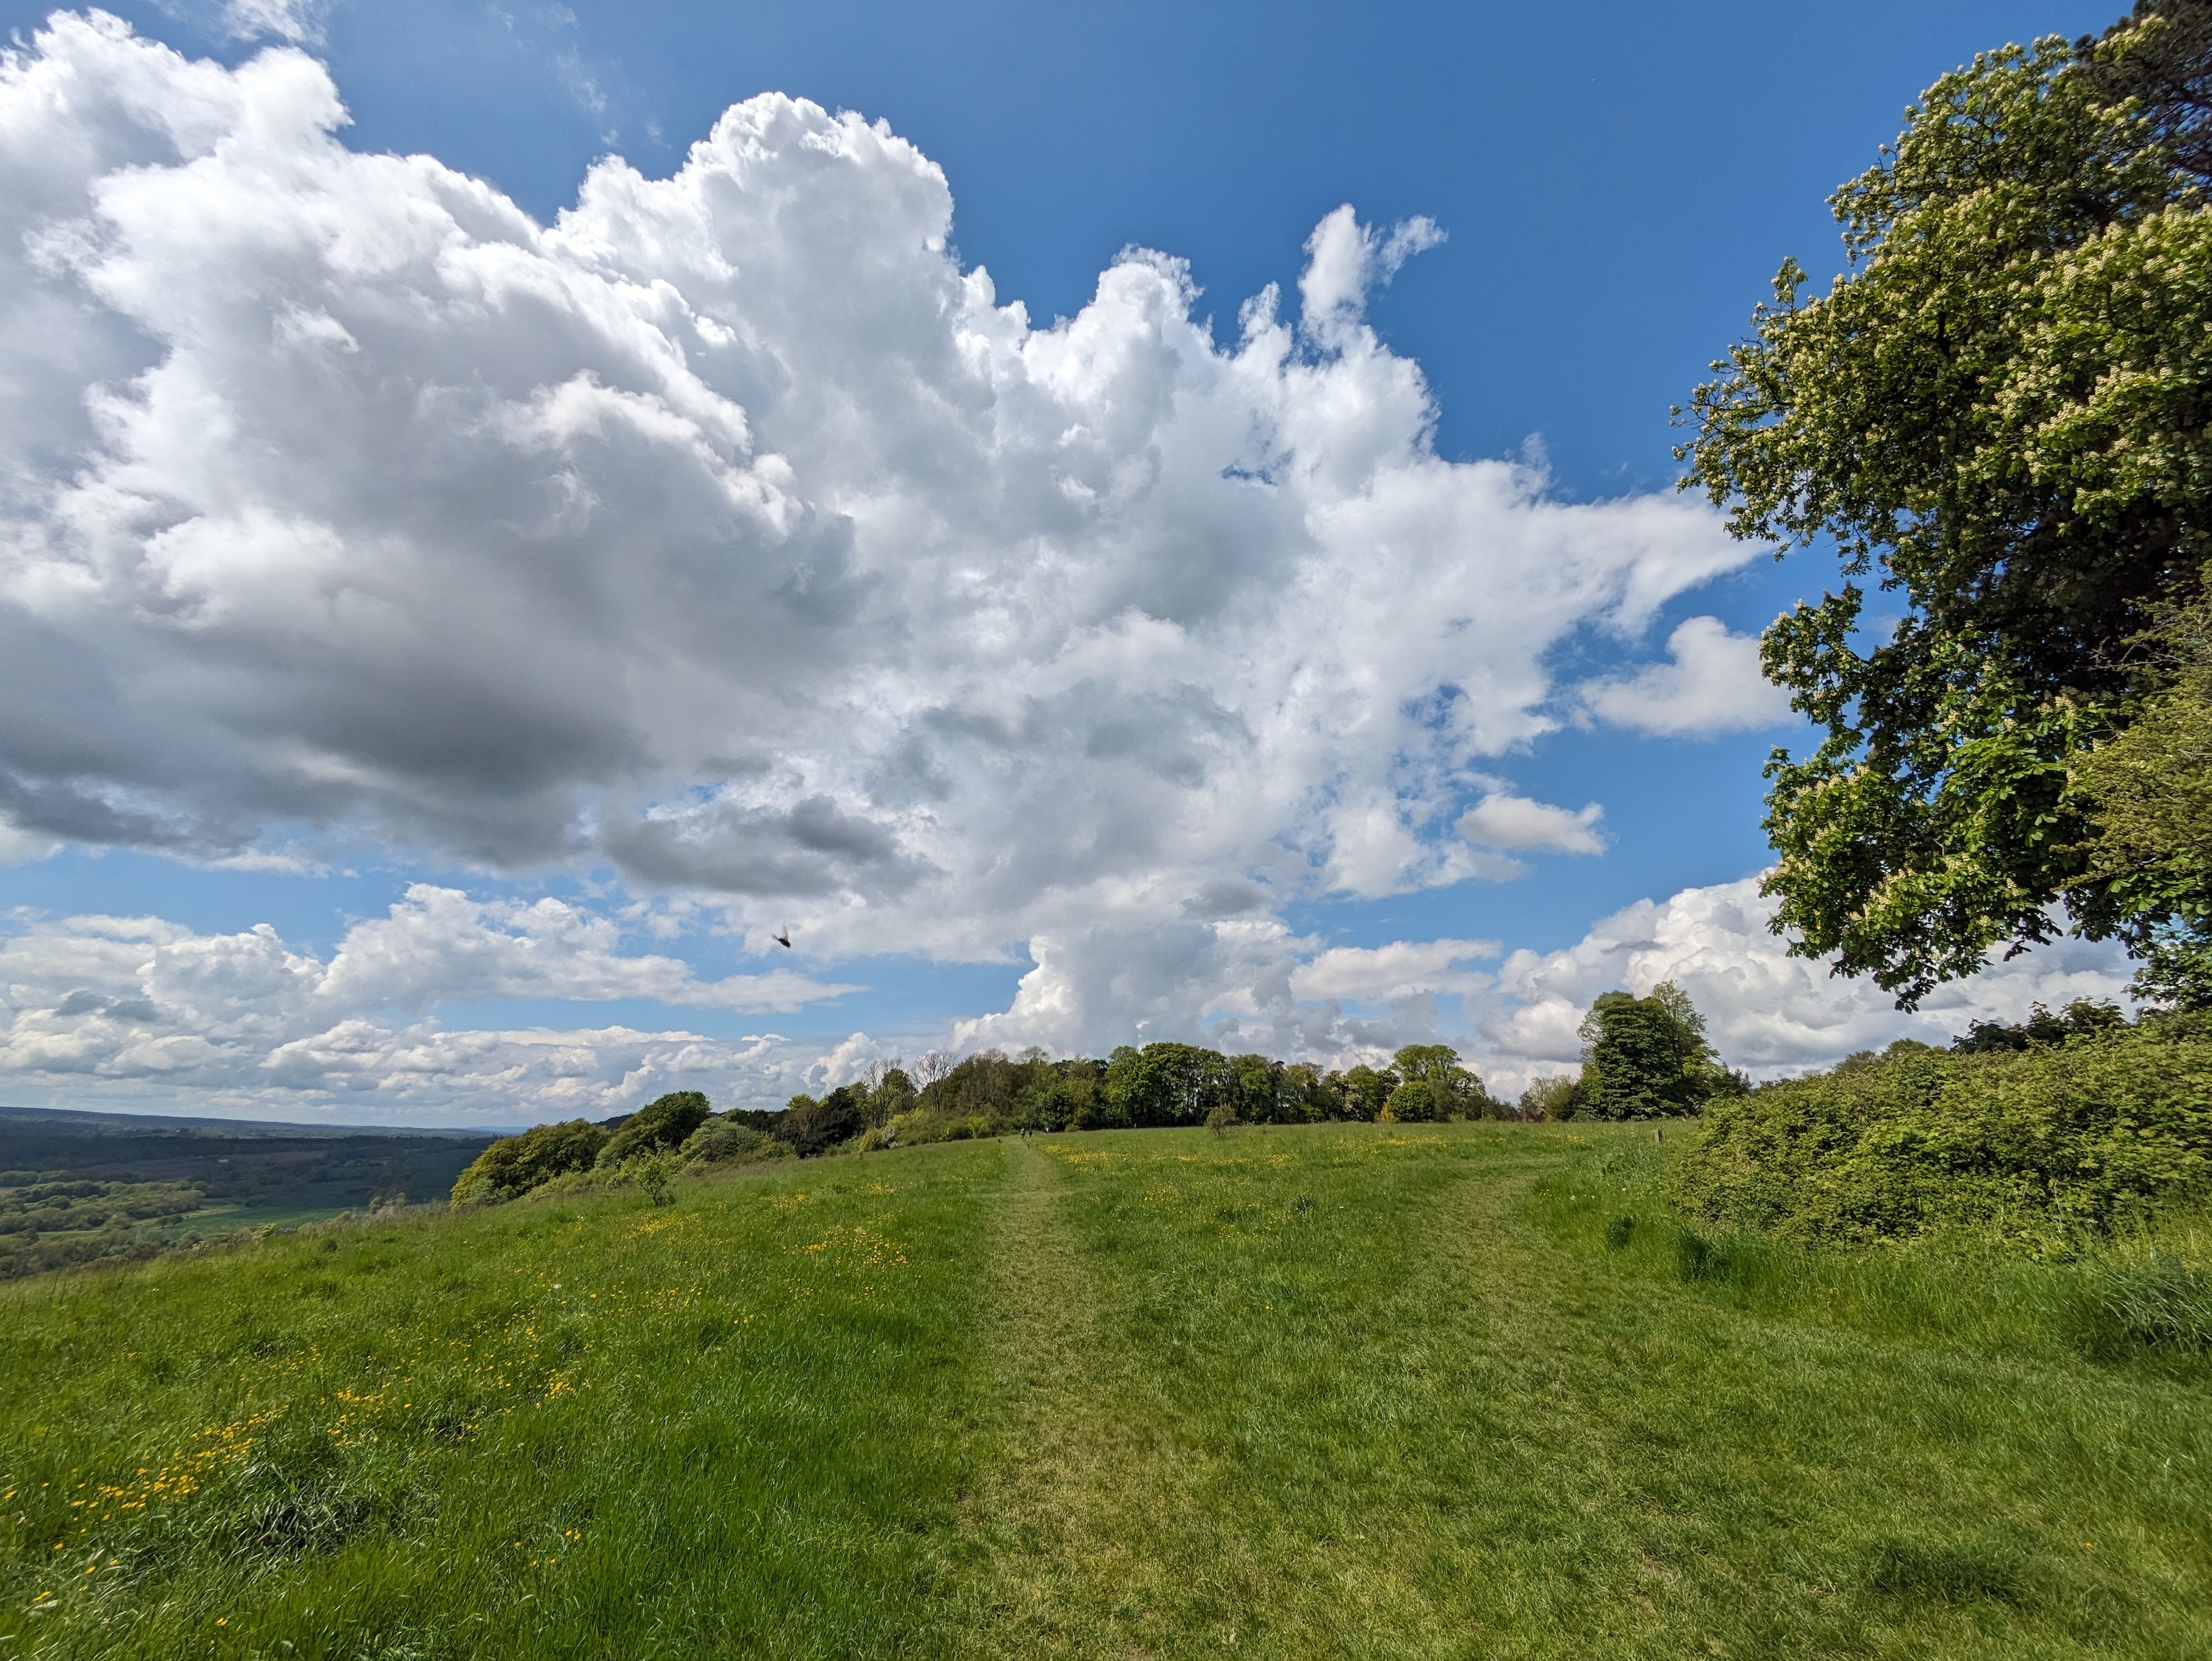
x,y
77,1186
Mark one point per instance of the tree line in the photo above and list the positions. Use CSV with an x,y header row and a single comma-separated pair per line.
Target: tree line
x,y
1641,1057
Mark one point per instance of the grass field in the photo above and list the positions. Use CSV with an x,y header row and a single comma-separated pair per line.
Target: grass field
x,y
1343,1389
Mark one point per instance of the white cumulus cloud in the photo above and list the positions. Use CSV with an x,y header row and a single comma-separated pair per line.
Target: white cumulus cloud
x,y
729,531
1378,975
1502,820
1766,1012
1712,685
150,1012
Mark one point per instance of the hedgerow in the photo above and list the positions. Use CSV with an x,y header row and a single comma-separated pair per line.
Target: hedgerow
x,y
2045,1146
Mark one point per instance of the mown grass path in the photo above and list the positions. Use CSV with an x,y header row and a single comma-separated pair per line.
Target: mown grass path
x,y
1356,1390
1400,1418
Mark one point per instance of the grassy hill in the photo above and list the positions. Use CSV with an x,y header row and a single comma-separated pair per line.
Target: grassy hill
x,y
1354,1390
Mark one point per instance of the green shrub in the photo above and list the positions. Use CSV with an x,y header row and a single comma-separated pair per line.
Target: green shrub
x,y
515,1165
2048,1147
725,1142
662,1124
654,1173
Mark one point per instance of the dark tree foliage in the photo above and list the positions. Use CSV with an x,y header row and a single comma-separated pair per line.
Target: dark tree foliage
x,y
1168,1084
1645,1057
515,1165
1999,414
2083,1018
663,1122
813,1127
2168,74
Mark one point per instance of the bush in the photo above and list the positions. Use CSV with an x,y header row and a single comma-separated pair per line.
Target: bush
x,y
726,1141
662,1124
654,1173
2048,1146
515,1165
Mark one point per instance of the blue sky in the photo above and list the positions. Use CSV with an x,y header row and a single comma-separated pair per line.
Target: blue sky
x,y
1613,185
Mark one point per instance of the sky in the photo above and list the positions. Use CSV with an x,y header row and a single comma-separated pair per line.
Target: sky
x,y
1103,524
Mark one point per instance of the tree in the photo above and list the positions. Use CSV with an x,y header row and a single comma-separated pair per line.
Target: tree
x,y
1998,414
2150,789
1167,1083
1366,1092
2083,1018
1646,1056
812,1127
1435,1086
1548,1098
515,1165
890,1092
662,1124
2168,71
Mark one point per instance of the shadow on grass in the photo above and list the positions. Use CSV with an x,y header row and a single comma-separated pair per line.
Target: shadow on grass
x,y
1956,1573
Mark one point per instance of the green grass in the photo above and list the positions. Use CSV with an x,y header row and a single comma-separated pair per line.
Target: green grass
x,y
1346,1390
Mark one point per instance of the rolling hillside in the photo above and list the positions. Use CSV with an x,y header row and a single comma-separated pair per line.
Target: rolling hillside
x,y
1346,1390
77,1187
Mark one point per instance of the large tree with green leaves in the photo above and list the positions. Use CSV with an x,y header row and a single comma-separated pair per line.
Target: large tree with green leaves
x,y
1998,415
1647,1056
2150,788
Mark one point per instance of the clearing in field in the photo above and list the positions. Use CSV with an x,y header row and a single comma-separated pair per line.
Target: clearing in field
x,y
1345,1390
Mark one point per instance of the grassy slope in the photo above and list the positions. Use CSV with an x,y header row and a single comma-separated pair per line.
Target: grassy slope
x,y
1329,1391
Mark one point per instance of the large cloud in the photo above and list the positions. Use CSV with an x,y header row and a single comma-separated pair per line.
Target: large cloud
x,y
730,532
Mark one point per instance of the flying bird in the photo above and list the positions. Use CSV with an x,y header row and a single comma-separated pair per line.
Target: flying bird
x,y
783,939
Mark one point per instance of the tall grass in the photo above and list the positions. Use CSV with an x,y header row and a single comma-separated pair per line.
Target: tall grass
x,y
2142,1297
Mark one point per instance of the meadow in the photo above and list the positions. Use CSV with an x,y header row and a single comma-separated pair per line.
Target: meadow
x,y
1357,1389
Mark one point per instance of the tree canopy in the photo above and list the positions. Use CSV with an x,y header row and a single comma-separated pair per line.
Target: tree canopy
x,y
2150,789
1998,416
663,1122
1647,1056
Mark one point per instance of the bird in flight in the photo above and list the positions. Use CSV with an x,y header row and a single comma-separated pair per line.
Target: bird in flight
x,y
783,939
